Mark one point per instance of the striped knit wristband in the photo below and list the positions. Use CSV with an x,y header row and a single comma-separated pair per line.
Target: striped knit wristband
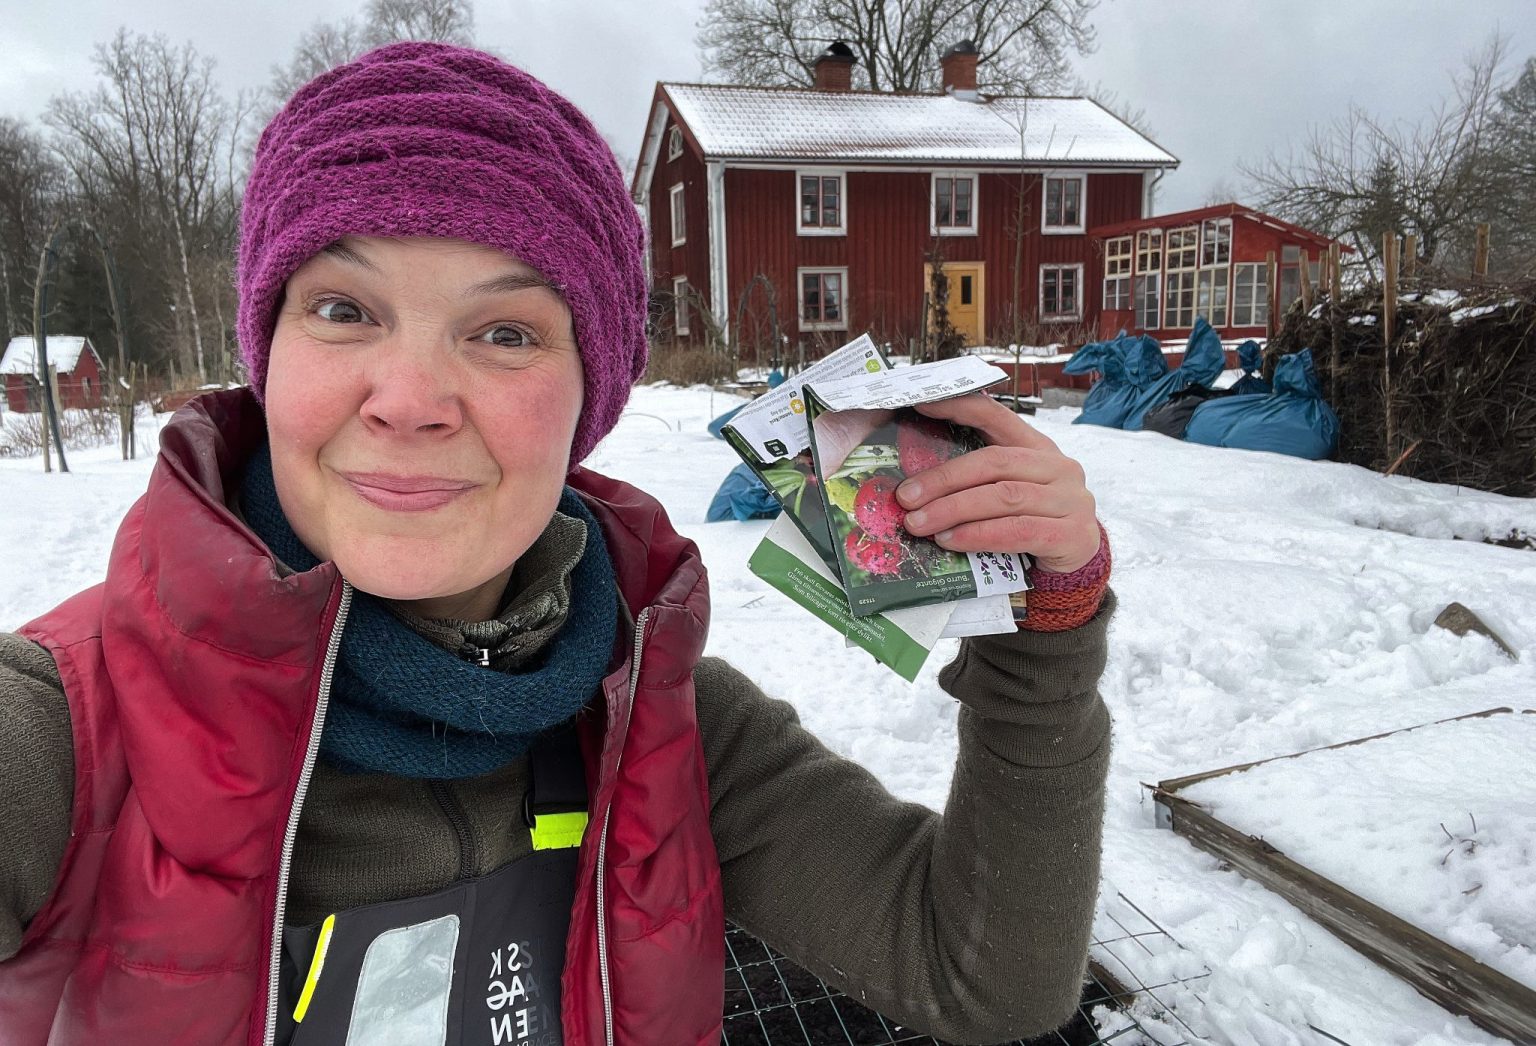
x,y
1061,602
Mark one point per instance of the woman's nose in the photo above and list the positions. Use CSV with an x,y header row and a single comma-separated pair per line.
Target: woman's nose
x,y
411,390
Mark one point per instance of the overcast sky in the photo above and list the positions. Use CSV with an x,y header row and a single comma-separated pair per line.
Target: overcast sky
x,y
1220,80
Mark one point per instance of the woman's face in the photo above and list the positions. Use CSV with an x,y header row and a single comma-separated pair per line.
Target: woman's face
x,y
422,397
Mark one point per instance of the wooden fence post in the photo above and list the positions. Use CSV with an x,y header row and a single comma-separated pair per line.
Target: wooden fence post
x,y
1388,319
1480,256
1336,318
1411,255
1271,275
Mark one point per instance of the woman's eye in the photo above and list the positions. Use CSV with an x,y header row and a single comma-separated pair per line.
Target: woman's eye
x,y
341,312
510,337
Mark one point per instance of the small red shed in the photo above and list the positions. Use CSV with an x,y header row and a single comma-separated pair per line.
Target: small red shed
x,y
74,360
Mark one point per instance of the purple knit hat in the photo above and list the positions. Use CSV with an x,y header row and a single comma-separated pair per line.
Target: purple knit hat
x,y
422,139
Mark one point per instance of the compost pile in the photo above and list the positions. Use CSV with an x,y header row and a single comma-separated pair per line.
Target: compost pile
x,y
1454,401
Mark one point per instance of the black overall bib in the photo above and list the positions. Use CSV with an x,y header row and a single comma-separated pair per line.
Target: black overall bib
x,y
476,964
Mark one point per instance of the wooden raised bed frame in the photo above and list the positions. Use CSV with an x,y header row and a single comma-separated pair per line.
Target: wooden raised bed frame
x,y
1452,978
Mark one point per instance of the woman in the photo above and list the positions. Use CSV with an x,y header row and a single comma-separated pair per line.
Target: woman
x,y
390,721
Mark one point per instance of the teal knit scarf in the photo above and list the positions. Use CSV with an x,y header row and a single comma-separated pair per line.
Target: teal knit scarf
x,y
402,705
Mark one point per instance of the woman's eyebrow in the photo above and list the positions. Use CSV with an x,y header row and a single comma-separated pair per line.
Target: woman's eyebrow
x,y
347,254
512,281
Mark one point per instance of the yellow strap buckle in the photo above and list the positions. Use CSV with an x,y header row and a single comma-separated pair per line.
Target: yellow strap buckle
x,y
558,831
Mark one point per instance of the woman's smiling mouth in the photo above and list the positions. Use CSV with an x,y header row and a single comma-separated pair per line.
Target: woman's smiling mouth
x,y
402,493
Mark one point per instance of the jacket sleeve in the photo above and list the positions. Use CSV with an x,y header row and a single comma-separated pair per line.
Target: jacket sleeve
x,y
37,770
971,926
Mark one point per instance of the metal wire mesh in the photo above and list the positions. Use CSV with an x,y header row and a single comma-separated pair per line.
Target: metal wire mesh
x,y
770,1001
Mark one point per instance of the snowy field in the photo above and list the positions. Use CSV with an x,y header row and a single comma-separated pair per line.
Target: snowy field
x,y
1268,605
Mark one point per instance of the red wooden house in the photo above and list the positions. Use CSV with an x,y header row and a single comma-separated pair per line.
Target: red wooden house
x,y
74,361
832,202
1157,275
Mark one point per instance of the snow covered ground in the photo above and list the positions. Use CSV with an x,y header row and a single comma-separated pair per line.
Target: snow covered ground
x,y
1268,605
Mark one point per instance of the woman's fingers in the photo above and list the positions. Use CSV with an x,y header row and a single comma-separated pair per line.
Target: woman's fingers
x,y
985,466
1001,426
1018,494
1000,500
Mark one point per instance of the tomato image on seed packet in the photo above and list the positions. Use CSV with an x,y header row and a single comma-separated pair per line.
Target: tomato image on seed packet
x,y
863,456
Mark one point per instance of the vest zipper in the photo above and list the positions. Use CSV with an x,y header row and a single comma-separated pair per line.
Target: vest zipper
x,y
311,752
602,842
469,850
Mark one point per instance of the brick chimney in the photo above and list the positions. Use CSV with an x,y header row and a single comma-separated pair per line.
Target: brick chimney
x,y
959,70
834,69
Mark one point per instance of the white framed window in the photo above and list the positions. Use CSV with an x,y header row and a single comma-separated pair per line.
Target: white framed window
x,y
674,143
952,207
680,304
1149,251
1211,295
1148,302
1250,294
1215,242
1183,251
1064,199
819,202
679,217
823,299
1061,293
1117,273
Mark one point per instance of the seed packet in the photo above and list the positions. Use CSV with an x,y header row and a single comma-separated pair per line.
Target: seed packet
x,y
771,436
865,440
901,640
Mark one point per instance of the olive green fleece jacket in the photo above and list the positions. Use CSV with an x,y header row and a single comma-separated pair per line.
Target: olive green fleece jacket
x,y
972,925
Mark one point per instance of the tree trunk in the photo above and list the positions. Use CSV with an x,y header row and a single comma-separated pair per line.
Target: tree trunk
x,y
186,280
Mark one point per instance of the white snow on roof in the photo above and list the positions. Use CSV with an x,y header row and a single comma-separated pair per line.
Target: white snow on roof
x,y
786,123
21,354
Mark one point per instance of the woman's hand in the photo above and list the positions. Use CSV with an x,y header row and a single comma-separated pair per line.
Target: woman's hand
x,y
1019,494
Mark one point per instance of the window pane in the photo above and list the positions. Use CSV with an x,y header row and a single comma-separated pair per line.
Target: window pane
x,y
1068,290
811,295
829,203
1074,201
832,287
965,290
1053,201
807,201
1052,293
962,201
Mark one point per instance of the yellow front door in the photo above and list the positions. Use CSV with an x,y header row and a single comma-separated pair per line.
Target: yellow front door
x,y
967,298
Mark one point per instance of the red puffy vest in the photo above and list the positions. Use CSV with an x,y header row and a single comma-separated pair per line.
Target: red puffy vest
x,y
193,675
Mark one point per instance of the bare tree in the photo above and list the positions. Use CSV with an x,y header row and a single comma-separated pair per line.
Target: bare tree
x,y
1133,115
1025,45
31,189
325,45
1514,244
1360,175
151,140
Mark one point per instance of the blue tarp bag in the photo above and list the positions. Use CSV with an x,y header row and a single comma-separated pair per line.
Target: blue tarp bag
x,y
717,427
1250,360
1291,420
1128,365
742,496
1204,360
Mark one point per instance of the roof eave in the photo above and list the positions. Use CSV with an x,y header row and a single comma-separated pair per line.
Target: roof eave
x,y
748,159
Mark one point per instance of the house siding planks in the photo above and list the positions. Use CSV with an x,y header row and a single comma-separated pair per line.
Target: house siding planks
x,y
690,259
888,240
